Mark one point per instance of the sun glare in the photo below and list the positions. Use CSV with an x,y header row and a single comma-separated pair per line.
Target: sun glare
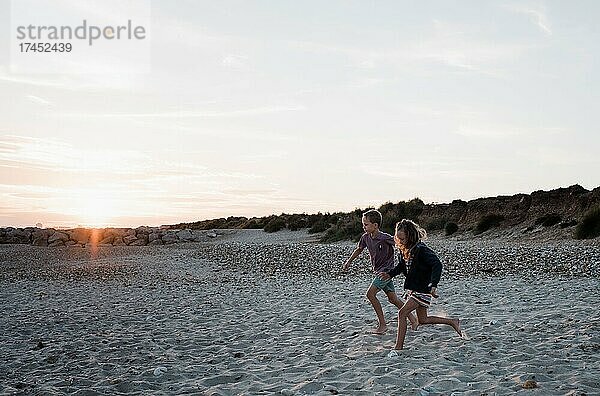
x,y
97,211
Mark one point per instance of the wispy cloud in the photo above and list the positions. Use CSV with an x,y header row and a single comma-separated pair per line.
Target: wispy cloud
x,y
536,15
38,100
194,114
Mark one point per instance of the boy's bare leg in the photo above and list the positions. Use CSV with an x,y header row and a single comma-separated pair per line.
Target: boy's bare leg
x,y
393,298
408,307
424,319
372,297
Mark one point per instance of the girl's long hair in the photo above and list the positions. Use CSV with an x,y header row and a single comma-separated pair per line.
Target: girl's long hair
x,y
414,234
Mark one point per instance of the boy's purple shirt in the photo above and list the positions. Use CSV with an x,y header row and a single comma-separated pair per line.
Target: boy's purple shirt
x,y
381,250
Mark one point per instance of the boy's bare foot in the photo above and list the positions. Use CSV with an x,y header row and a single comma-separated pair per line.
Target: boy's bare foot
x,y
414,325
456,326
379,330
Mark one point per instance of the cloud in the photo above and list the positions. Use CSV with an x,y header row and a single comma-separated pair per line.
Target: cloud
x,y
537,16
194,114
38,100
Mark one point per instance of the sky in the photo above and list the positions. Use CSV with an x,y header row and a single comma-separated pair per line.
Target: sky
x,y
251,108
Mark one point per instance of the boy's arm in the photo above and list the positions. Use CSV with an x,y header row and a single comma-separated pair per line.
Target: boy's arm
x,y
354,255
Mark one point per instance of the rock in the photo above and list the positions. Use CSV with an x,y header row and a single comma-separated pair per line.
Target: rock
x,y
56,243
170,238
118,241
139,242
17,235
80,235
129,239
185,235
40,237
155,242
107,240
154,236
211,234
160,370
58,236
529,384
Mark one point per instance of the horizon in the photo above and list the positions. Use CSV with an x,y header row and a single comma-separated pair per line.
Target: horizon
x,y
288,213
256,108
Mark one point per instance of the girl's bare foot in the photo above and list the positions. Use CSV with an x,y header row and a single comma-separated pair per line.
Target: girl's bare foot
x,y
379,330
456,326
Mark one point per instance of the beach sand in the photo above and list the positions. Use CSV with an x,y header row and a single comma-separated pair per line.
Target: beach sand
x,y
254,314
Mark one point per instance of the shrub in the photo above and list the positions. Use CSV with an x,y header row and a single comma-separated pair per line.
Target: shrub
x,y
393,213
319,226
450,228
296,222
253,223
548,220
589,227
275,224
435,224
347,227
487,222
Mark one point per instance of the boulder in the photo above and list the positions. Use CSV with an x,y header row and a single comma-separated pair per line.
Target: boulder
x,y
129,239
40,237
118,241
57,242
107,240
80,235
17,235
139,242
170,238
58,236
155,242
185,235
153,237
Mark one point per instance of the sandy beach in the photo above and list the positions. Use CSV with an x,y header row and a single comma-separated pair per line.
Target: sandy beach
x,y
254,313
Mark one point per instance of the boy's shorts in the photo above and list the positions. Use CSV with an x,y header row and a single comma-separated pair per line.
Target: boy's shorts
x,y
386,286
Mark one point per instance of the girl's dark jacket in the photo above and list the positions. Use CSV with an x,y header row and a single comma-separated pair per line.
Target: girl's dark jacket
x,y
424,271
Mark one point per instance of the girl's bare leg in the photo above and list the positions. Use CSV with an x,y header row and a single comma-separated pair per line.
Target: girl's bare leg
x,y
393,298
406,309
424,319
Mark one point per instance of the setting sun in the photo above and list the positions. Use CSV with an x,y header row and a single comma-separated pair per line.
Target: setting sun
x,y
97,210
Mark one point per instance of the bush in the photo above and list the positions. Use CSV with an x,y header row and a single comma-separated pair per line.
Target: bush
x,y
487,222
348,227
393,213
319,226
450,228
548,220
296,222
253,223
435,224
275,224
589,227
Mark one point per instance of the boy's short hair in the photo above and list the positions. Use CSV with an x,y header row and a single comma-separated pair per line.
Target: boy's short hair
x,y
374,216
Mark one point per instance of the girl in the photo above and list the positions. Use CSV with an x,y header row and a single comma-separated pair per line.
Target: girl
x,y
422,269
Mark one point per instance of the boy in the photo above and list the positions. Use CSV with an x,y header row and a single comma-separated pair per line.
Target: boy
x,y
381,250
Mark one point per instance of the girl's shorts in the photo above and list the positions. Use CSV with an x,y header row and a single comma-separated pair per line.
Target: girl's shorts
x,y
423,299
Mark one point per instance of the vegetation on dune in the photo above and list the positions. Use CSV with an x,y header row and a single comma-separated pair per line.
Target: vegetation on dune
x,y
487,222
589,227
450,228
548,220
334,226
348,226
